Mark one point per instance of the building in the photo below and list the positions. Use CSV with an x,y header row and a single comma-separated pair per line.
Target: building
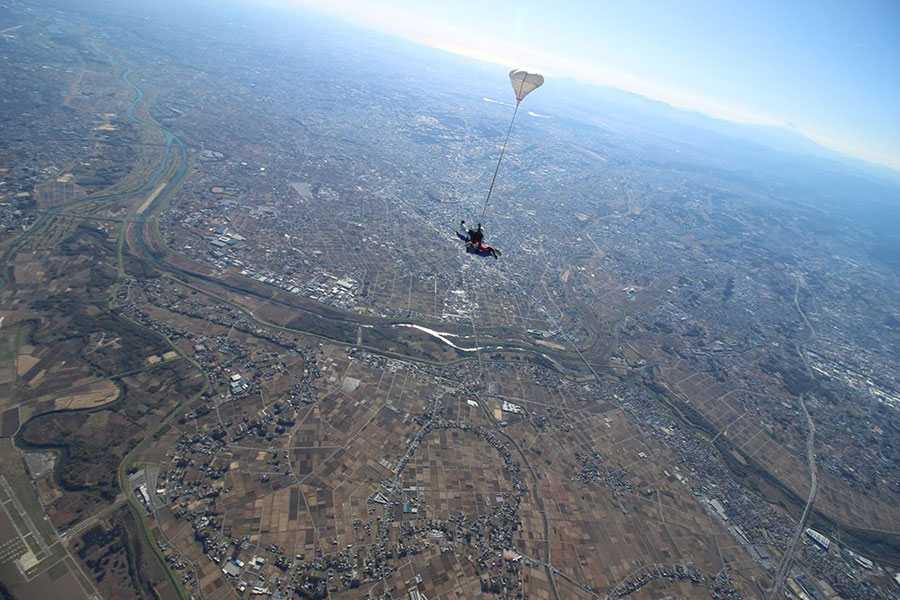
x,y
818,538
231,569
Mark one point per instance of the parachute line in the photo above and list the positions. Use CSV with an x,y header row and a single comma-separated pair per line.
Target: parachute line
x,y
523,83
499,160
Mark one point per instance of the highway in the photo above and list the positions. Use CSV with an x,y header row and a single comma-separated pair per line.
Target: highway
x,y
787,560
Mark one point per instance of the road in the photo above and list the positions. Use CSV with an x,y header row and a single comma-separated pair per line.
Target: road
x,y
95,518
787,560
535,492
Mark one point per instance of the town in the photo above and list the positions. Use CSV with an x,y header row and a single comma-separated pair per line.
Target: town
x,y
245,354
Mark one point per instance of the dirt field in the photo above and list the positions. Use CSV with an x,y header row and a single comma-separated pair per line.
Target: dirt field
x,y
9,422
24,363
56,582
97,394
549,345
151,198
8,340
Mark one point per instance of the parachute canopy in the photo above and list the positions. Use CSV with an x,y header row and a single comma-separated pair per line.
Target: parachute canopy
x,y
524,83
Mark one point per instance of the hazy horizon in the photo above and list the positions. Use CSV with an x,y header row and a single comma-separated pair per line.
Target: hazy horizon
x,y
826,78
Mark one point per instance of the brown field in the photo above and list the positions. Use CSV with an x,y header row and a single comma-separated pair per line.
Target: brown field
x,y
96,394
58,582
549,344
343,447
24,363
59,191
8,342
9,422
146,204
719,405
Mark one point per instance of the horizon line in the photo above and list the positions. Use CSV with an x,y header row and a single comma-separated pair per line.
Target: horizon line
x,y
425,34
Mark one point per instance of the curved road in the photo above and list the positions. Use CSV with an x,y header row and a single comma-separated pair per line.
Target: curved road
x,y
535,493
788,558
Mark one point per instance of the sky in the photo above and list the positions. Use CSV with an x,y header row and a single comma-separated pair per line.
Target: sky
x,y
828,69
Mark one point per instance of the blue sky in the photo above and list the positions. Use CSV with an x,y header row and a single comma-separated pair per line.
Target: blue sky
x,y
829,69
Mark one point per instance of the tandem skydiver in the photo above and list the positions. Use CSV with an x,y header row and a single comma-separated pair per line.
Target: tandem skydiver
x,y
474,239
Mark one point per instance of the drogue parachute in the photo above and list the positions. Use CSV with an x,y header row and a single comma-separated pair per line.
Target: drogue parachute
x,y
523,83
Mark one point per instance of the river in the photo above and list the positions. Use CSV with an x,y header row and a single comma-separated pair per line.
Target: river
x,y
441,335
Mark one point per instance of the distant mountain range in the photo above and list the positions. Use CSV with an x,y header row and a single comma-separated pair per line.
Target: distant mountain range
x,y
585,98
